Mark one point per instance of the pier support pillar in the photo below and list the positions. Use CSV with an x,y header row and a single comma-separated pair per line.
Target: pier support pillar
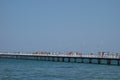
x,y
48,58
118,62
108,61
68,59
82,60
58,59
90,60
75,60
36,57
99,61
62,59
53,59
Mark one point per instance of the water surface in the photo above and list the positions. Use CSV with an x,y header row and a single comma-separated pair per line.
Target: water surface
x,y
15,69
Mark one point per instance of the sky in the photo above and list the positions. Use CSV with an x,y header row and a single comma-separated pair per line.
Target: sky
x,y
60,25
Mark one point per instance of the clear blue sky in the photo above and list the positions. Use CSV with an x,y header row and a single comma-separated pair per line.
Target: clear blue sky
x,y
60,25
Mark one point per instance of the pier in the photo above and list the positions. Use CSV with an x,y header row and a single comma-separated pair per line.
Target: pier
x,y
77,58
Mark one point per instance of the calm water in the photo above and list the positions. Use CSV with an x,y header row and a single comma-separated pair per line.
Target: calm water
x,y
12,69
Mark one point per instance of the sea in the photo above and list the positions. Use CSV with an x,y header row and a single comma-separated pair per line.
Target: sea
x,y
18,69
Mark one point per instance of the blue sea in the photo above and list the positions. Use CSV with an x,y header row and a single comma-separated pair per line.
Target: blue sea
x,y
16,69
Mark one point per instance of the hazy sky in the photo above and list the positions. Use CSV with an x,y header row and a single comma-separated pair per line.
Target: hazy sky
x,y
60,25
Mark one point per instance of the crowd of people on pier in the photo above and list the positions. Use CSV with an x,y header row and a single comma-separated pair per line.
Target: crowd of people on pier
x,y
71,53
99,54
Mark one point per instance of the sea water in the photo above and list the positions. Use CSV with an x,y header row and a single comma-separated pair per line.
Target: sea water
x,y
16,69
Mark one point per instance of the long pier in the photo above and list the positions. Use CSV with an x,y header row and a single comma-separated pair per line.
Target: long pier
x,y
92,59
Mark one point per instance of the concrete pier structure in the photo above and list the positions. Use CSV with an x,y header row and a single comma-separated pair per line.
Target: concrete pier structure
x,y
92,59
